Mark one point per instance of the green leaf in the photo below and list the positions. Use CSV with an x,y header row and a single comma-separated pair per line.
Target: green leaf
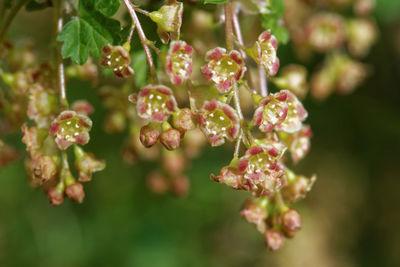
x,y
107,7
110,28
271,21
139,64
80,39
88,33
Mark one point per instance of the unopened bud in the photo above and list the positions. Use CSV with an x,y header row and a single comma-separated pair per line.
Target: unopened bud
x,y
171,139
75,192
291,222
149,135
274,240
157,183
180,185
56,196
174,162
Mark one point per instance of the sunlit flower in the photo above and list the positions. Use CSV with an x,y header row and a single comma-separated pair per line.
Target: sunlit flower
x,y
224,69
179,62
155,103
218,121
69,128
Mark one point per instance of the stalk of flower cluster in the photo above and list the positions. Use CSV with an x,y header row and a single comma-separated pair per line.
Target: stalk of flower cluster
x,y
7,21
239,37
228,25
59,59
143,39
263,81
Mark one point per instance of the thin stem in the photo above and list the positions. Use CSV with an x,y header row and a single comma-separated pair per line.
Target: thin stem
x,y
59,59
14,10
143,40
238,142
239,37
263,81
131,33
238,32
237,102
228,26
241,118
142,11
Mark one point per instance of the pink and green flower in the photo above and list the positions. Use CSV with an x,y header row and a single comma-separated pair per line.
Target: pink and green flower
x,y
218,121
224,69
179,62
155,103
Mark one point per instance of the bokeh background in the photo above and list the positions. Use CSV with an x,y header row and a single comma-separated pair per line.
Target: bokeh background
x,y
351,217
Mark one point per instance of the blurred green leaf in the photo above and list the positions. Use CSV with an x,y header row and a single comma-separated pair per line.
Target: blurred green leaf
x,y
139,64
107,7
271,21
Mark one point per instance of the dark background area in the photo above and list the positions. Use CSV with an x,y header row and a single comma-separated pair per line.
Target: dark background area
x,y
350,218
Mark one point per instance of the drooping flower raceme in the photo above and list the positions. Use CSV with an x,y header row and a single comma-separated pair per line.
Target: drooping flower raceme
x,y
218,121
179,62
224,69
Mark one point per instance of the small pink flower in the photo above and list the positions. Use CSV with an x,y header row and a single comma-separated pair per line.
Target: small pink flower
x,y
325,31
218,121
264,52
224,69
86,164
179,62
230,176
69,128
298,143
155,103
83,107
261,169
118,59
281,111
254,212
293,78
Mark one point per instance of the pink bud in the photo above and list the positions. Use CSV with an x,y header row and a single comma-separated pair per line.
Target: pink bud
x,y
291,222
75,192
149,135
274,240
56,197
157,183
171,139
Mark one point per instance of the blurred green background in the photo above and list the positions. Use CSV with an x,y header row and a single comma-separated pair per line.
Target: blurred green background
x,y
351,217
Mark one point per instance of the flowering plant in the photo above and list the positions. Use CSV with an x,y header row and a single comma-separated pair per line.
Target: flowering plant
x,y
178,94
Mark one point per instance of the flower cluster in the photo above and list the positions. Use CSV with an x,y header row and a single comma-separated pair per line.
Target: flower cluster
x,y
186,101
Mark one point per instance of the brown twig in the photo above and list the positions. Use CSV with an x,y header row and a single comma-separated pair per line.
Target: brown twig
x,y
228,26
143,39
59,59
